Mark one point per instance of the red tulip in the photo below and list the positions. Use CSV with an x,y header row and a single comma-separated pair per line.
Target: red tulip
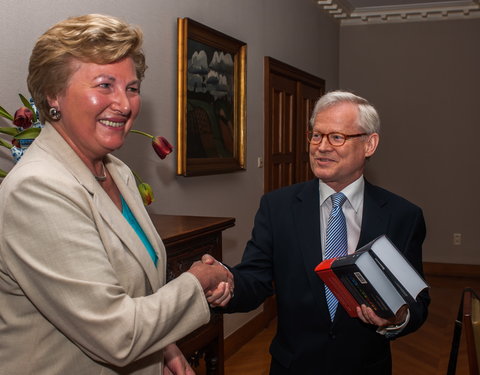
x,y
23,118
161,146
146,193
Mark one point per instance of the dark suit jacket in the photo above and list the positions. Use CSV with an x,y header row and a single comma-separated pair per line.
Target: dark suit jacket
x,y
280,258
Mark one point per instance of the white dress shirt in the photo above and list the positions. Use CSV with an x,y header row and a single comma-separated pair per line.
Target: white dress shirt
x,y
352,209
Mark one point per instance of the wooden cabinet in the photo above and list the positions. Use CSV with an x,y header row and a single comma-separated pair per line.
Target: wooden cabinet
x,y
186,239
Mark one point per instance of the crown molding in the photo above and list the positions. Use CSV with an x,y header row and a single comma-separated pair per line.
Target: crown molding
x,y
419,12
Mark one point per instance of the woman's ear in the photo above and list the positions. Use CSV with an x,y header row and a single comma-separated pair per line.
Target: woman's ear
x,y
371,144
52,102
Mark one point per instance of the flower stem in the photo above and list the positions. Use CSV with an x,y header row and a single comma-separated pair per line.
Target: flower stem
x,y
142,133
5,144
137,177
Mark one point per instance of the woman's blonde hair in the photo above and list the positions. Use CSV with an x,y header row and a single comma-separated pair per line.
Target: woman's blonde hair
x,y
93,38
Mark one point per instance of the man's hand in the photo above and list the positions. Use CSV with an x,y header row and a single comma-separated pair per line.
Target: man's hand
x,y
175,362
222,295
367,315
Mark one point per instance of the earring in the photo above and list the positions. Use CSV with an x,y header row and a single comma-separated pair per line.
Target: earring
x,y
55,114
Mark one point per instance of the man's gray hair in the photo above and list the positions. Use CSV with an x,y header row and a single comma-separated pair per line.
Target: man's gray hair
x,y
368,118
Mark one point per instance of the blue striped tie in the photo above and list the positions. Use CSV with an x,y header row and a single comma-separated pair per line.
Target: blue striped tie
x,y
336,243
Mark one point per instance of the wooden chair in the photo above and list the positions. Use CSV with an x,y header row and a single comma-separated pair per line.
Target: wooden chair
x,y
468,318
471,324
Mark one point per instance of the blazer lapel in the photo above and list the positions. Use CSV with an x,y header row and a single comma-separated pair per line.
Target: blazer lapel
x,y
50,140
123,229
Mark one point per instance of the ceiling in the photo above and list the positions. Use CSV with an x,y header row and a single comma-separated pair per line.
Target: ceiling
x,y
360,12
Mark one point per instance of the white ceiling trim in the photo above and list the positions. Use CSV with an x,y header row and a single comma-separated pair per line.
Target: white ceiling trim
x,y
343,11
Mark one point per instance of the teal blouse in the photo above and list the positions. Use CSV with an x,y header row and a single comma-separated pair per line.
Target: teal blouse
x,y
128,215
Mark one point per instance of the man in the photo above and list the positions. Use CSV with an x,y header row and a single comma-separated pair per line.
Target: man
x,y
289,240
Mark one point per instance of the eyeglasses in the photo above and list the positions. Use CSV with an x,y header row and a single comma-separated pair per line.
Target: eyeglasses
x,y
335,139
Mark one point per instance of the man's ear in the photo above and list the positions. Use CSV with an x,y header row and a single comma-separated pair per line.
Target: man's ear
x,y
371,144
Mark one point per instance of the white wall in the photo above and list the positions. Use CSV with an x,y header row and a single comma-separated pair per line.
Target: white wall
x,y
424,78
292,31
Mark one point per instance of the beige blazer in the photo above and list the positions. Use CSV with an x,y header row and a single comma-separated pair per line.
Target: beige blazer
x,y
79,293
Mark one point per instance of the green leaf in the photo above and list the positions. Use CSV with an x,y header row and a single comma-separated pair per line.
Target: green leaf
x,y
29,133
2,173
9,131
4,113
27,104
5,144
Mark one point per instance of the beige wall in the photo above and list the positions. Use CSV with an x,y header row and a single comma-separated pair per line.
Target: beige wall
x,y
424,78
293,31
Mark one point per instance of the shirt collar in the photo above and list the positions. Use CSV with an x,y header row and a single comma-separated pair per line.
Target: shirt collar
x,y
353,192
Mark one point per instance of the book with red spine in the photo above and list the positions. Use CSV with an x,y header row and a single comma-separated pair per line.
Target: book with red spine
x,y
349,303
376,275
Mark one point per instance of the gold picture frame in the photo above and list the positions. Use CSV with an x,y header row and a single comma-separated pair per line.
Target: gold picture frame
x,y
211,101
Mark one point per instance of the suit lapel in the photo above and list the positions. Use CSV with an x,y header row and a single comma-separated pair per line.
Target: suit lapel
x,y
375,218
306,213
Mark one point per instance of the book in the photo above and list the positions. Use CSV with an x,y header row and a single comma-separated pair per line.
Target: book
x,y
377,275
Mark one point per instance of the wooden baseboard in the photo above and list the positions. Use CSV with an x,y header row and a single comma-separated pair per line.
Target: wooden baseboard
x,y
451,269
250,329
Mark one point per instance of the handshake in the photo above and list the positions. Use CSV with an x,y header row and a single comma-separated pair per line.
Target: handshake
x,y
216,280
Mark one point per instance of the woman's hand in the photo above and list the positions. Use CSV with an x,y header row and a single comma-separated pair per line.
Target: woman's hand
x,y
216,280
175,362
224,291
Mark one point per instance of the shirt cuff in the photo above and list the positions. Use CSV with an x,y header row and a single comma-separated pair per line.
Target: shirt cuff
x,y
224,266
228,269
394,329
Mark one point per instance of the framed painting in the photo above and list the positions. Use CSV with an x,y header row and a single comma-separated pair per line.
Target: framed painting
x,y
211,113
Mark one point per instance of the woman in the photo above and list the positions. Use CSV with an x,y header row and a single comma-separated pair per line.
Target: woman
x,y
82,269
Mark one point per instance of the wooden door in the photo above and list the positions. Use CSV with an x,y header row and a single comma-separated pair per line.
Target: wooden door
x,y
290,95
289,98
